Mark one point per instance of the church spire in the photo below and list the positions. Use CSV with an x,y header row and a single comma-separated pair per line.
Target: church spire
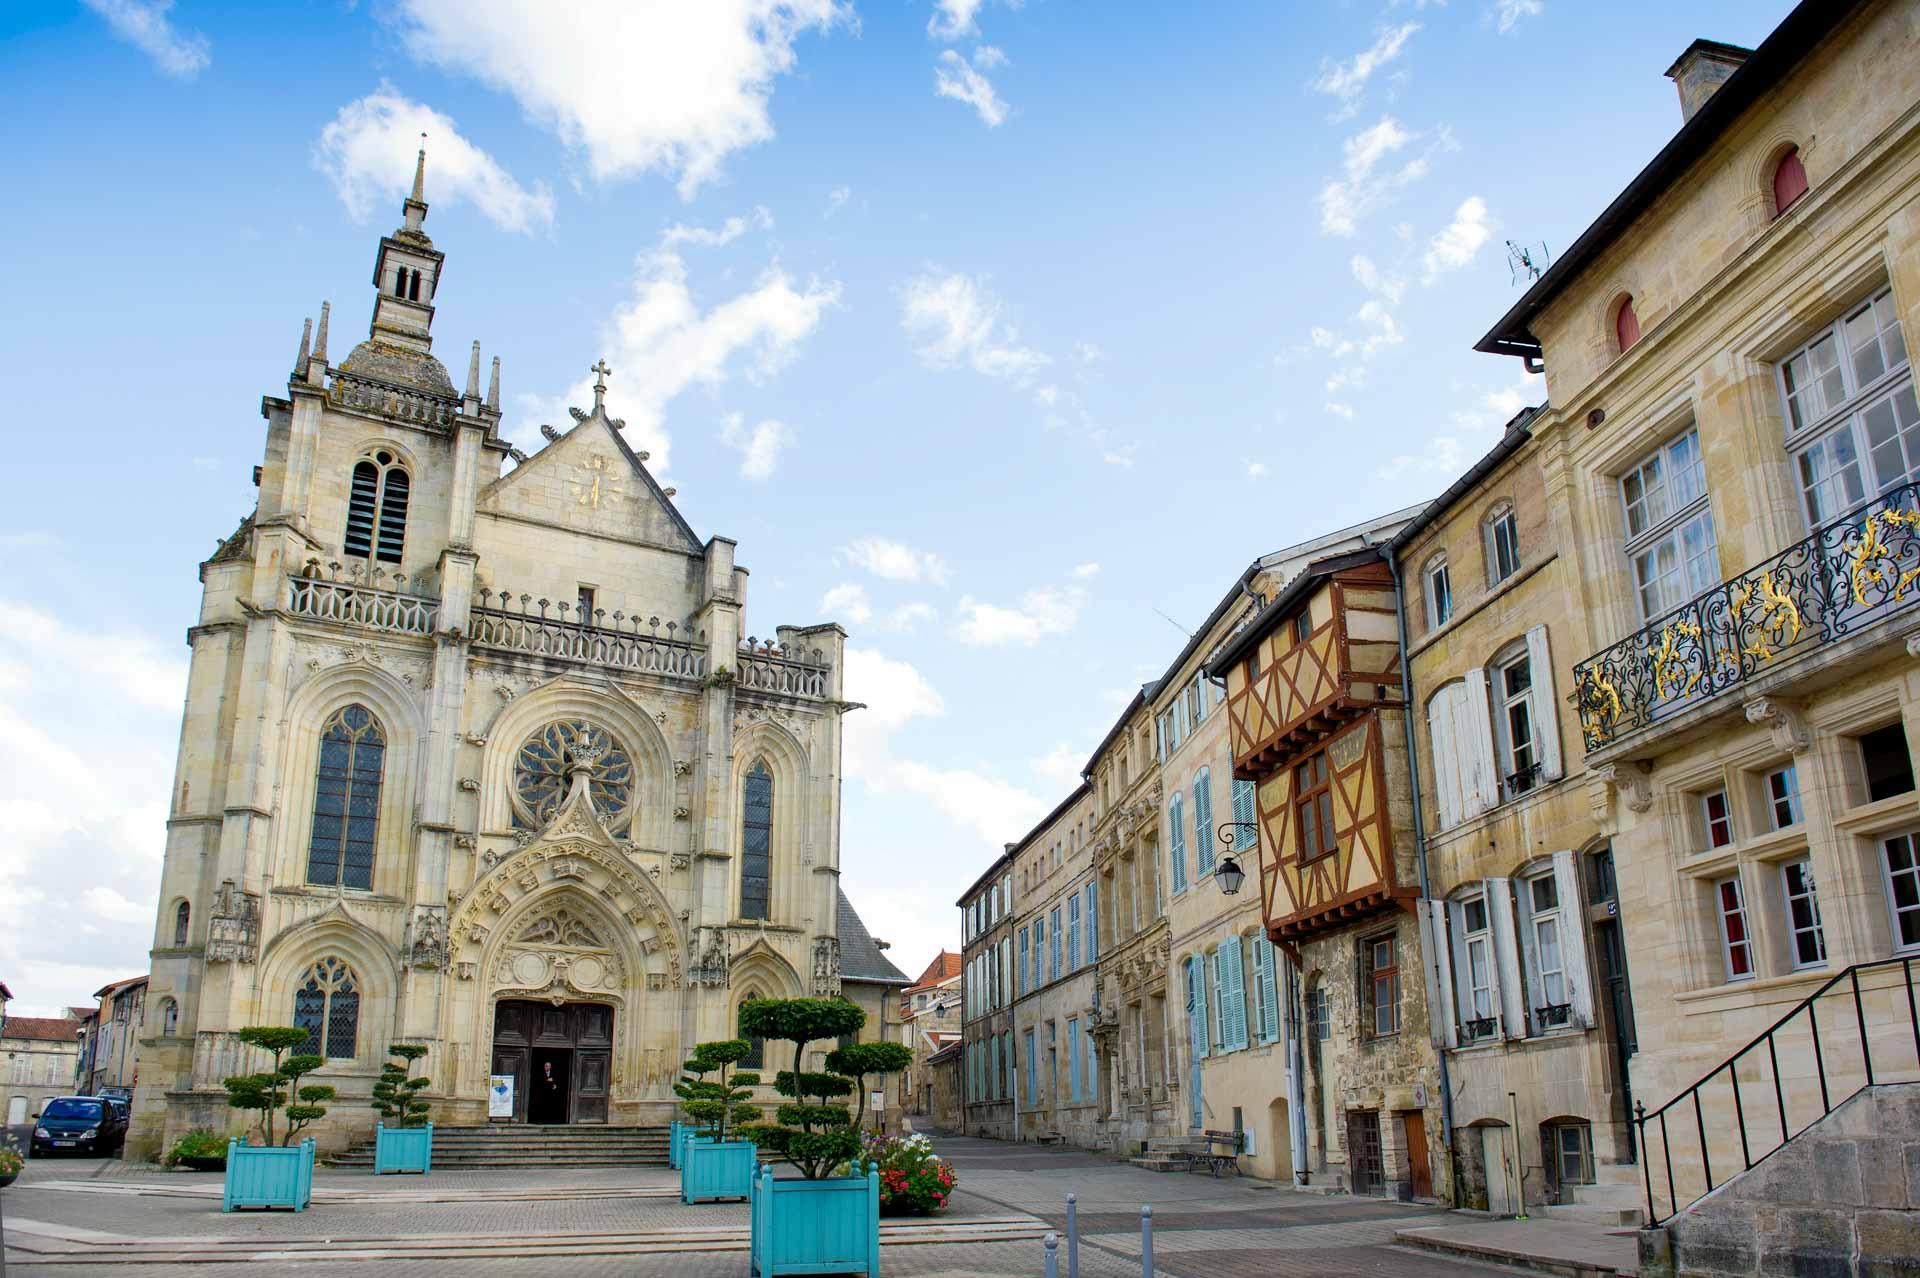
x,y
415,207
406,274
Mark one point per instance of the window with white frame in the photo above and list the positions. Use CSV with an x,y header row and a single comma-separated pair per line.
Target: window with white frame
x,y
1736,942
1900,858
1670,539
1503,544
1718,817
1439,591
1852,423
1476,974
1383,986
1783,797
1513,692
1809,939
1551,1004
1572,1153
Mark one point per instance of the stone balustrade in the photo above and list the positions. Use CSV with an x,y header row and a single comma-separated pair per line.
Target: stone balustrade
x,y
360,595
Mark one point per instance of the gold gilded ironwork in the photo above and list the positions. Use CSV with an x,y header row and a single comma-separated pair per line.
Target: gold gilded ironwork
x,y
1599,700
1668,658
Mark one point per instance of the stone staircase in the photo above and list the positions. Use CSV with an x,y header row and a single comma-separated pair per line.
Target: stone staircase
x,y
529,1145
1169,1154
1617,1198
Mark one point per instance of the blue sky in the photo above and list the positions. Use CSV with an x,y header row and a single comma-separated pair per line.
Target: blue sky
x,y
994,331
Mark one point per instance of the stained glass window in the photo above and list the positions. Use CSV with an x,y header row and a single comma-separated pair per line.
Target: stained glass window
x,y
756,843
346,799
541,774
327,1006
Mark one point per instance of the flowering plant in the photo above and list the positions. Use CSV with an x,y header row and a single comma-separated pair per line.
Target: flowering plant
x,y
10,1161
913,1182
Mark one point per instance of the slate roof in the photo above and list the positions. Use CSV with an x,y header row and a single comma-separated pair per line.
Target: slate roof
x,y
44,1029
860,958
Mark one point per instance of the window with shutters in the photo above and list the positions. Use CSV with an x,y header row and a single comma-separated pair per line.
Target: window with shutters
x,y
326,1004
1177,840
1313,807
1319,1026
1476,969
1503,544
1073,933
1266,985
1053,952
1382,986
1789,180
1216,1007
1231,995
346,800
1199,1036
1513,719
1073,1058
377,509
1026,973
1033,1074
756,844
1809,939
1852,423
1203,822
1245,831
1546,922
1669,521
1439,591
1093,922
1736,942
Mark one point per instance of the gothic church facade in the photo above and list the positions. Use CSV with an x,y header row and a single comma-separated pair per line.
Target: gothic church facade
x,y
476,753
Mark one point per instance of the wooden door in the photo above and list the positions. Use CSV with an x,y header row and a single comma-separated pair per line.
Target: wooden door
x,y
1363,1150
1493,1150
511,1035
592,1061
1420,1168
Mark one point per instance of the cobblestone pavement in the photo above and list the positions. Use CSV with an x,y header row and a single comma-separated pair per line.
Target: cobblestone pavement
x,y
1204,1228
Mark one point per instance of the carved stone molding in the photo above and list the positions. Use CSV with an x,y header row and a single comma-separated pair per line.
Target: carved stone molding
x,y
427,937
826,967
233,926
1913,644
1628,781
470,784
1789,727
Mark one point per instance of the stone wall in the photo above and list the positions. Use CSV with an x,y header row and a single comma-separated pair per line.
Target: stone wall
x,y
1844,1198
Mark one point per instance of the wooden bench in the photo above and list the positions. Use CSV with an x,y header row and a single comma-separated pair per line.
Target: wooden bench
x,y
1214,1150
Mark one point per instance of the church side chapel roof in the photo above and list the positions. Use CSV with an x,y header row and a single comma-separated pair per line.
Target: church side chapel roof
x,y
861,958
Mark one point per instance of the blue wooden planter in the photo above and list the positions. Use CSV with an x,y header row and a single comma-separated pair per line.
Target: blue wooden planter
x,y
676,1134
711,1170
815,1226
402,1149
268,1175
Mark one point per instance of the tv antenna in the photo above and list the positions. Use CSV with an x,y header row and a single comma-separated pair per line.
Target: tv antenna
x,y
1521,261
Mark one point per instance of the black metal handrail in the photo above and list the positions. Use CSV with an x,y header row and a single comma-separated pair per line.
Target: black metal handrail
x,y
1854,571
1768,1040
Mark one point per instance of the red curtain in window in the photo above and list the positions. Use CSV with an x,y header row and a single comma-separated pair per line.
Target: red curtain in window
x,y
1626,325
1789,181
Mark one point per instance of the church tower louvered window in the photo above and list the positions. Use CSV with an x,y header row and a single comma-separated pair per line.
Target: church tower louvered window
x,y
756,843
377,509
346,800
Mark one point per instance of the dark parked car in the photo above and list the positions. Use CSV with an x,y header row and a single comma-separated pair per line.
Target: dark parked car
x,y
80,1125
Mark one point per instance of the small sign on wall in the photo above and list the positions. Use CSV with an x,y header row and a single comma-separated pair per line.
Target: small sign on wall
x,y
877,1102
499,1096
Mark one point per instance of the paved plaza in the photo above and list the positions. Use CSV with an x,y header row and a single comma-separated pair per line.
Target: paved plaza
x,y
71,1217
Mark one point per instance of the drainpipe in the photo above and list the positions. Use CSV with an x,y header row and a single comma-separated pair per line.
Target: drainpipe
x,y
1420,840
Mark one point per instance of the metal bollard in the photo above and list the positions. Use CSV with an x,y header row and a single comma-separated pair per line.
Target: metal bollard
x,y
1073,1237
1146,1240
1053,1256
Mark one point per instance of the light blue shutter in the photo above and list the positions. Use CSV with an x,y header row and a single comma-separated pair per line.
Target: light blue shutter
x,y
1053,944
1033,1074
1093,922
1244,837
1025,974
1093,1063
1197,1005
1266,979
1073,932
1177,841
1073,1058
1233,996
1203,821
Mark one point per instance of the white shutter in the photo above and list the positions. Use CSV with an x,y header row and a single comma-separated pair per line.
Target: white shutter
x,y
1436,956
1448,784
1546,718
1510,993
1462,966
1573,936
1480,775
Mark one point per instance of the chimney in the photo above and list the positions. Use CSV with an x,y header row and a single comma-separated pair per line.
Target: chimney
x,y
1701,70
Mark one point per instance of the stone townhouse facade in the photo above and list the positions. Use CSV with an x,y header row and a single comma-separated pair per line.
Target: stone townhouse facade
x,y
1734,442
477,752
121,1031
1055,952
1527,970
986,1099
39,1056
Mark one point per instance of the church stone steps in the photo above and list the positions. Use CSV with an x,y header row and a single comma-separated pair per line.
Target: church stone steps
x,y
530,1145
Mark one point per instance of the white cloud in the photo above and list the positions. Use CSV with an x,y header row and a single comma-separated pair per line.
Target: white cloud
x,y
144,25
907,618
847,600
1083,571
1477,425
1365,186
954,78
1256,470
728,231
663,343
1340,410
640,88
1059,768
1346,80
1382,331
759,448
1390,287
1507,13
895,561
837,199
1456,246
1038,614
957,321
953,19
368,151
1088,353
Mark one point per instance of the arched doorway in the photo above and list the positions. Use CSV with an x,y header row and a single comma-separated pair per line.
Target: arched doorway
x,y
560,1056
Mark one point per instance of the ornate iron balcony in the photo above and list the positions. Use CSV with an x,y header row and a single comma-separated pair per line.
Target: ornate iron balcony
x,y
1475,1028
1852,573
1553,1016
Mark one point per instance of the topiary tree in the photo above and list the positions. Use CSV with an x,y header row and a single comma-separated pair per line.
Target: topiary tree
x,y
812,1133
713,1105
862,1059
279,1088
394,1093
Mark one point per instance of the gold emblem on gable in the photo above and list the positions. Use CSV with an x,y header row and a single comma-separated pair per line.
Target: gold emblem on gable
x,y
599,484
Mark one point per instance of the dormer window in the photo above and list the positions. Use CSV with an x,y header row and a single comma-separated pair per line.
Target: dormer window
x,y
1626,325
1789,181
377,509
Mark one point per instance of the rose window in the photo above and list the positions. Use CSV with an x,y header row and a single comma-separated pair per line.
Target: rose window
x,y
541,774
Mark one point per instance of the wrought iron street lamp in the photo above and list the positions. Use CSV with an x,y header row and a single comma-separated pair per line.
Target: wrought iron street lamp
x,y
1228,873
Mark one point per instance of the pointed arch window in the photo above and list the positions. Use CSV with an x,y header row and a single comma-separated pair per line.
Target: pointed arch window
x,y
346,799
169,1017
377,508
182,920
756,1057
327,1006
756,843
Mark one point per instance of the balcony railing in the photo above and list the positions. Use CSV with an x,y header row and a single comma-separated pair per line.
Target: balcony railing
x,y
542,628
1851,574
360,595
786,670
